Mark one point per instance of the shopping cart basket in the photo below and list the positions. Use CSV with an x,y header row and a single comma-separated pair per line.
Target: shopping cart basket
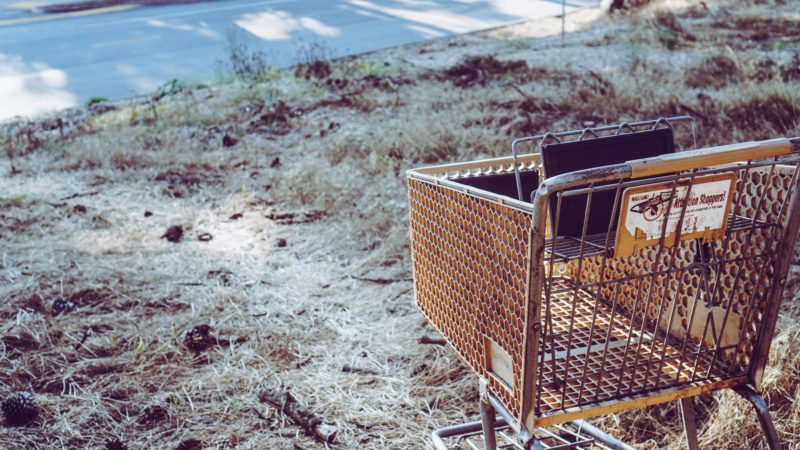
x,y
676,295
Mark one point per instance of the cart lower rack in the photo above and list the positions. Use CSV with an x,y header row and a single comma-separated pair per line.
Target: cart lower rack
x,y
568,312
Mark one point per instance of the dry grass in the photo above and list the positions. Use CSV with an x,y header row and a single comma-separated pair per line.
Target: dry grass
x,y
328,316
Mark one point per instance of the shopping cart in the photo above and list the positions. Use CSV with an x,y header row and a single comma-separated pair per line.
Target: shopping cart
x,y
568,310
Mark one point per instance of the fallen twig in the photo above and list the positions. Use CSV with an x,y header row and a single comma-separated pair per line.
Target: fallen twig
x,y
521,92
383,280
431,340
294,218
260,414
79,194
83,338
350,369
300,414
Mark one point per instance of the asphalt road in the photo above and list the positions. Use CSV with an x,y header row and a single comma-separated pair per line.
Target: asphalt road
x,y
49,63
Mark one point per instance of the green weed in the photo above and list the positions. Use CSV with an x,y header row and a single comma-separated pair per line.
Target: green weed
x,y
95,100
247,65
14,201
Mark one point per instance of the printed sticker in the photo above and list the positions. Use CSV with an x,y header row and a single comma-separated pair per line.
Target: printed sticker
x,y
646,210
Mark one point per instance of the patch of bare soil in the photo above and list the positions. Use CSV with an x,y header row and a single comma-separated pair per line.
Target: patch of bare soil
x,y
746,28
228,267
478,70
764,29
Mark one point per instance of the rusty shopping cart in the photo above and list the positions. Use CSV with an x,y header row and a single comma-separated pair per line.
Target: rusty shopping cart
x,y
578,293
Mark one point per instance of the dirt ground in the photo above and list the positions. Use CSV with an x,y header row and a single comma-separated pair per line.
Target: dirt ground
x,y
289,190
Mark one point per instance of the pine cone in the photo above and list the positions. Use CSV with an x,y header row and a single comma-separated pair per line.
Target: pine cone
x,y
20,409
153,414
198,338
62,305
190,444
173,234
115,444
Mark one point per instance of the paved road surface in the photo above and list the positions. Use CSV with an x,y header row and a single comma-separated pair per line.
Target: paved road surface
x,y
51,64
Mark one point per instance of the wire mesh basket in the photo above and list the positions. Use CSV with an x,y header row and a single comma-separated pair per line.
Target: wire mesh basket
x,y
589,292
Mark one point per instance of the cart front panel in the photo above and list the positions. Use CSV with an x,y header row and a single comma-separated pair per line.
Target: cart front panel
x,y
669,314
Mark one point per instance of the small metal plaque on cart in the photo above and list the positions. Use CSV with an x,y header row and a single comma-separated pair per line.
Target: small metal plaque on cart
x,y
499,364
645,209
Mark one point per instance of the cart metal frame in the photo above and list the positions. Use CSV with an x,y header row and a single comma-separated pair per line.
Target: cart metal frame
x,y
491,430
470,248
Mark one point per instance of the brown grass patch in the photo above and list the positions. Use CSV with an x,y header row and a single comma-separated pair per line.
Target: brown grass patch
x,y
713,72
478,70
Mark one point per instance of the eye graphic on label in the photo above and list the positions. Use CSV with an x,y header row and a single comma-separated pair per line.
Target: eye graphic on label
x,y
652,208
652,212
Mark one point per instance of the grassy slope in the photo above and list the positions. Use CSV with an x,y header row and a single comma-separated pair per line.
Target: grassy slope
x,y
319,162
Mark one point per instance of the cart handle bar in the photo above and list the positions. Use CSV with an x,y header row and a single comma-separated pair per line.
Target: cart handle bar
x,y
674,162
712,156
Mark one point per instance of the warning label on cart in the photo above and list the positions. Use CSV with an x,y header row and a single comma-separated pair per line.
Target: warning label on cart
x,y
650,211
